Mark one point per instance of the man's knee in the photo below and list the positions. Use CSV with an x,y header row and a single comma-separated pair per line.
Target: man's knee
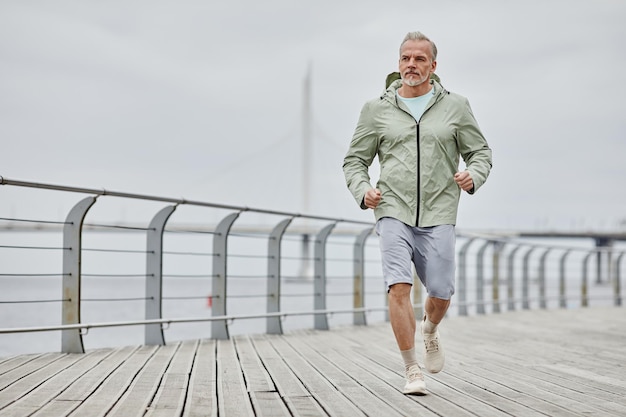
x,y
400,291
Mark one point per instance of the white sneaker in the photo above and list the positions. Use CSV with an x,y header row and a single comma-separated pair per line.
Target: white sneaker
x,y
414,381
433,351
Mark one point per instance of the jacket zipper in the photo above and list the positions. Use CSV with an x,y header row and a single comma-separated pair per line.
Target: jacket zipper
x,y
419,192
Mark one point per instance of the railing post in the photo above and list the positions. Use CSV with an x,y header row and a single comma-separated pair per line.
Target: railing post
x,y
359,318
510,280
542,279
617,283
584,296
319,277
495,287
480,278
274,324
219,328
154,275
562,283
72,340
526,279
462,287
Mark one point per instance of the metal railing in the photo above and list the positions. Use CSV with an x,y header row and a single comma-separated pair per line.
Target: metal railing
x,y
341,268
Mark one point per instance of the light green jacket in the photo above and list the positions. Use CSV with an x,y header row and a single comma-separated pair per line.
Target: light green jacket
x,y
418,159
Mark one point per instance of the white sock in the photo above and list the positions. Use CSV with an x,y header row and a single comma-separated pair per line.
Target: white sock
x,y
409,358
429,326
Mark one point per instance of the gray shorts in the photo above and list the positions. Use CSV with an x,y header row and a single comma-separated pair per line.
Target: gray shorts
x,y
430,249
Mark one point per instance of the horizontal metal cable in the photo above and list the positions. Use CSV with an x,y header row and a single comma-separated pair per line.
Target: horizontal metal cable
x,y
248,296
116,250
252,236
112,226
298,258
33,221
247,276
248,256
188,276
189,253
194,297
299,278
31,301
34,247
202,232
339,277
34,275
116,299
117,275
339,260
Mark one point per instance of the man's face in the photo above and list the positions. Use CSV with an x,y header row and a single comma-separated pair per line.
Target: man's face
x,y
416,62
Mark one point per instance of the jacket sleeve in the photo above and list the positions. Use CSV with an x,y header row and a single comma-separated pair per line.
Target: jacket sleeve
x,y
362,151
473,148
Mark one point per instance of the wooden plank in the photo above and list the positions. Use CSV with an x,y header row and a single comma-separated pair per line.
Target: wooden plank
x,y
201,393
144,386
170,397
304,406
28,383
447,396
358,386
323,390
56,409
268,404
232,397
547,391
84,386
298,400
11,363
52,387
385,363
115,384
256,376
285,381
517,357
25,367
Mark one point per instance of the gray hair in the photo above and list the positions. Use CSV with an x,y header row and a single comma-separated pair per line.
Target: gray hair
x,y
419,36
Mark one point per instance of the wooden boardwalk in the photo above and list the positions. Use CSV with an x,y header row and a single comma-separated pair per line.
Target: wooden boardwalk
x,y
529,363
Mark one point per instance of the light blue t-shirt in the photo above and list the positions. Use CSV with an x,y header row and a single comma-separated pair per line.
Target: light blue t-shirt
x,y
417,104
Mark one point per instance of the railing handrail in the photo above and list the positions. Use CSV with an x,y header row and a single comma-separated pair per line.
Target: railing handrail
x,y
177,201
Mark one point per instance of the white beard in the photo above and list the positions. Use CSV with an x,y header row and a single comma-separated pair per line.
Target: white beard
x,y
414,82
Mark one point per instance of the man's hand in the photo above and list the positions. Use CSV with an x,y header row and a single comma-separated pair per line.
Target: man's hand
x,y
464,180
372,198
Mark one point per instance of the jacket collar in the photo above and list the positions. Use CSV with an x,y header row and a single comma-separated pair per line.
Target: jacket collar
x,y
390,93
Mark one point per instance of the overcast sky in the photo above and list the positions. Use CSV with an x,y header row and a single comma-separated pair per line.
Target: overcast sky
x,y
203,99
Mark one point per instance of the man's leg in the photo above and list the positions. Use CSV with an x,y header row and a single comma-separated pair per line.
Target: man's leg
x,y
403,325
402,316
434,262
434,358
436,309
